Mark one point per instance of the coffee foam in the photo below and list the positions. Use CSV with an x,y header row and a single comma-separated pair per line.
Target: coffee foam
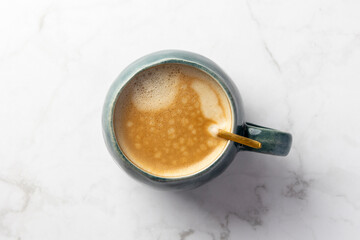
x,y
213,129
156,88
214,103
209,101
166,122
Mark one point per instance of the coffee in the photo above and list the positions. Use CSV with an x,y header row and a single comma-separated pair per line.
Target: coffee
x,y
163,119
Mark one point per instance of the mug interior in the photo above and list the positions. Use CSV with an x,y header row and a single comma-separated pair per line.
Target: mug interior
x,y
200,68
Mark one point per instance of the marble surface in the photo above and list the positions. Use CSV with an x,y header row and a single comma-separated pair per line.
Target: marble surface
x,y
296,63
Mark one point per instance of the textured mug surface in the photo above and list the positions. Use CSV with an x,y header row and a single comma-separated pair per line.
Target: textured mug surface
x,y
273,141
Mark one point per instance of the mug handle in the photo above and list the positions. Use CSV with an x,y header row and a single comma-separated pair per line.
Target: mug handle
x,y
272,141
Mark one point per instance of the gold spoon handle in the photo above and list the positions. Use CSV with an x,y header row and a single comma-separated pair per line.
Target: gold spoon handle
x,y
239,139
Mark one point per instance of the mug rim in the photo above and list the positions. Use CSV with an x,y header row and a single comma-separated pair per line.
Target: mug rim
x,y
171,60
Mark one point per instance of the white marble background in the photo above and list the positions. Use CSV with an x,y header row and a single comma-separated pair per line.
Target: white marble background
x,y
296,63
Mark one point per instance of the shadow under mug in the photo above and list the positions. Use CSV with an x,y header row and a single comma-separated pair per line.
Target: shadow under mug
x,y
273,141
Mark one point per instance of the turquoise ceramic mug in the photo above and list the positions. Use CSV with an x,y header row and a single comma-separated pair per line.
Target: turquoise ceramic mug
x,y
273,141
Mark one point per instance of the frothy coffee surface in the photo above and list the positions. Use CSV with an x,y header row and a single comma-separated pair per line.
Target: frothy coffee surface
x,y
163,117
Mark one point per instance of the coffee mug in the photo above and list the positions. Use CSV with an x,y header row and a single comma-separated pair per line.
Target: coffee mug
x,y
273,141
